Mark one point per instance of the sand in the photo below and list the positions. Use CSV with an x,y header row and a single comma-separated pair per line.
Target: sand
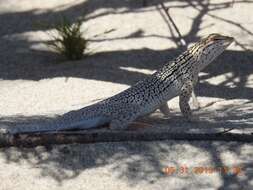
x,y
128,42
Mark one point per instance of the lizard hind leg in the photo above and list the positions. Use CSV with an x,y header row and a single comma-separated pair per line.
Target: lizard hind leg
x,y
122,121
118,124
123,116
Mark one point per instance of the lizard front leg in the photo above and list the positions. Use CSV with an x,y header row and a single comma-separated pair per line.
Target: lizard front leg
x,y
164,108
184,98
195,101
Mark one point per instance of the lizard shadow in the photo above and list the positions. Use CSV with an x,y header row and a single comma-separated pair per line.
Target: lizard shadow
x,y
132,162
211,119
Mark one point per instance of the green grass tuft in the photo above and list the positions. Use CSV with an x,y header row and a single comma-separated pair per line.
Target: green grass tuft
x,y
69,40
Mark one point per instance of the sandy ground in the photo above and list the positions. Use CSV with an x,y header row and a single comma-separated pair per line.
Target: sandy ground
x,y
128,42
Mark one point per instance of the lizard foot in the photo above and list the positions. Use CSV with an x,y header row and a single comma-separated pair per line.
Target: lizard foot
x,y
117,126
138,126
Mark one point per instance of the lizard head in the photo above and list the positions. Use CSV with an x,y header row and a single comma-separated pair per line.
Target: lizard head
x,y
211,47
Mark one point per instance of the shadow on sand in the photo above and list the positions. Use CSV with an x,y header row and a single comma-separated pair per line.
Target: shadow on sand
x,y
138,161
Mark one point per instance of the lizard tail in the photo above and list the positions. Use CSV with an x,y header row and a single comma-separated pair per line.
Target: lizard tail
x,y
86,118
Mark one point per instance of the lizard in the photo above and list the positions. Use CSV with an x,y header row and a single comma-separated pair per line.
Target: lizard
x,y
176,78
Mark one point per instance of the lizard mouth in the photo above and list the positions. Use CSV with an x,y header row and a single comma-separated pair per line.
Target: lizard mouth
x,y
225,40
214,37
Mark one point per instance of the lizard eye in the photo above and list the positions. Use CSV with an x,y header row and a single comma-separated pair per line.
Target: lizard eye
x,y
205,51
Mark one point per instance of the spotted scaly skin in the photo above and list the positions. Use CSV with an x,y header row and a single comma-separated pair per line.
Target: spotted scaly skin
x,y
176,78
